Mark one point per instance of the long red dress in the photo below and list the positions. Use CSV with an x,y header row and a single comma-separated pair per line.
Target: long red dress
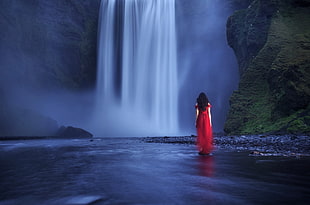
x,y
204,131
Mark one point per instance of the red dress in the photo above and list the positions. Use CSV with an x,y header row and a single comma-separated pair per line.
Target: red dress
x,y
204,131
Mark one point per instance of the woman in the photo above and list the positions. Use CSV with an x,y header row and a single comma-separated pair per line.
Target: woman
x,y
204,125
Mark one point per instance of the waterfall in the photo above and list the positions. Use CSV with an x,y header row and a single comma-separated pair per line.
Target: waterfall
x,y
137,90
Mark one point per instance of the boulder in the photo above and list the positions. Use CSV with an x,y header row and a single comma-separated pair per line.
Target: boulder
x,y
73,132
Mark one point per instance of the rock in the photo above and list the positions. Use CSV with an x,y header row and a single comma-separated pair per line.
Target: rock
x,y
73,132
55,42
44,46
18,121
271,145
247,31
273,94
239,4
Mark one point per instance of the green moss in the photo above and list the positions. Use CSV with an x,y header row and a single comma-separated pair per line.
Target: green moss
x,y
297,125
274,89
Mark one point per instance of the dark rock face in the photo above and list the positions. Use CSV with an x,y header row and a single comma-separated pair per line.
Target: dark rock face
x,y
271,41
16,121
247,31
238,4
73,132
44,45
49,43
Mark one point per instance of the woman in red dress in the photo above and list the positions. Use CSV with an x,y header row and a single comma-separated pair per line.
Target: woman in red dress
x,y
204,125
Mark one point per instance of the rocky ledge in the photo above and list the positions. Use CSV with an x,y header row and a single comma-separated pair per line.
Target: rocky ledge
x,y
63,133
272,44
73,132
257,145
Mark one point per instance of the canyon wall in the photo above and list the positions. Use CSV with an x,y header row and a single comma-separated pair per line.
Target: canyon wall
x,y
270,39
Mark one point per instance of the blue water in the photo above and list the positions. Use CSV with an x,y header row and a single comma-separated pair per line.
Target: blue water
x,y
130,171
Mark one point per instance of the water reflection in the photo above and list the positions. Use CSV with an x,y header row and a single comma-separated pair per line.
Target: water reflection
x,y
206,165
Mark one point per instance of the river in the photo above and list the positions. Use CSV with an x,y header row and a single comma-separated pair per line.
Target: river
x,y
132,171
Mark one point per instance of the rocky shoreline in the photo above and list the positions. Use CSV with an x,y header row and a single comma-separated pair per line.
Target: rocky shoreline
x,y
257,145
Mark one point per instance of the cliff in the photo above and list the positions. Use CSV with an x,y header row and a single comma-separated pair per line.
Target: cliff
x,y
271,40
44,45
49,43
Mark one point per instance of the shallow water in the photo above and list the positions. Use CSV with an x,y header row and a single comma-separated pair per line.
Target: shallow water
x,y
130,171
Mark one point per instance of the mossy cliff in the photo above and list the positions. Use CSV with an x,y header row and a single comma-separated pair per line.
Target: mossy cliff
x,y
271,40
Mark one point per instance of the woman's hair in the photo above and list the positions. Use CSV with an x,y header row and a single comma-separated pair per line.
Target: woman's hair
x,y
202,101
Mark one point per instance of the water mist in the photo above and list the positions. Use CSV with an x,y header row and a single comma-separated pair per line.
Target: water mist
x,y
137,88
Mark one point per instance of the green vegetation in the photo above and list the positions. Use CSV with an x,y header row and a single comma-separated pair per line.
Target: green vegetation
x,y
274,89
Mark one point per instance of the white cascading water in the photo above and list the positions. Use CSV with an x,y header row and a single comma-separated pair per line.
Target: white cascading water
x,y
137,91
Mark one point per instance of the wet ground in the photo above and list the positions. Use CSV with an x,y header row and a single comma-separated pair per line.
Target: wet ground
x,y
133,171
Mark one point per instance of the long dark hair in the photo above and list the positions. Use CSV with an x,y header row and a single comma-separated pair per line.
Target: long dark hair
x,y
202,101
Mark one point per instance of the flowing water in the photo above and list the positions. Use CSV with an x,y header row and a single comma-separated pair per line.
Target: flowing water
x,y
131,171
137,68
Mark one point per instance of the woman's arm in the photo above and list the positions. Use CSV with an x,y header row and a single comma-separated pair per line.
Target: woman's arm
x,y
209,112
197,113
